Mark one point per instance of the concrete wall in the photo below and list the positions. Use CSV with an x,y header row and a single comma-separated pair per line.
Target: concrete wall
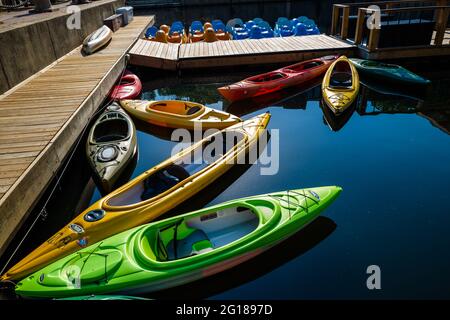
x,y
26,50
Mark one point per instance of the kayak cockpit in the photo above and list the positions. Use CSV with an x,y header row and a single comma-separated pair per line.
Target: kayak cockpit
x,y
299,67
113,126
341,76
174,174
180,108
197,235
271,76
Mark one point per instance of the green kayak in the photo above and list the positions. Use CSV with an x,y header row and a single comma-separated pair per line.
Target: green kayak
x,y
387,71
112,297
207,241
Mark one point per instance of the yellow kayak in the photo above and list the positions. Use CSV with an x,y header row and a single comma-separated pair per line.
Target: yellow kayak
x,y
340,85
179,114
146,197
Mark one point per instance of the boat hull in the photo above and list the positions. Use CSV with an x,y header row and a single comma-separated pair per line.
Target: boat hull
x,y
163,113
133,268
130,89
339,98
122,149
97,40
255,86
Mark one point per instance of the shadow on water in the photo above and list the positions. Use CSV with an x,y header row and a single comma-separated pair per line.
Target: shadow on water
x,y
290,98
293,247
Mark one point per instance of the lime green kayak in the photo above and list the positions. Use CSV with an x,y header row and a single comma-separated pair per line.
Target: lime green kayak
x,y
181,249
387,71
112,297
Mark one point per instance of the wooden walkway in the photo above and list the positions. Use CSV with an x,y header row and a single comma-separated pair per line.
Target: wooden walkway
x,y
41,119
235,52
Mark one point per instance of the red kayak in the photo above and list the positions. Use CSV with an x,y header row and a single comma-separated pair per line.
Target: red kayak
x,y
289,76
129,87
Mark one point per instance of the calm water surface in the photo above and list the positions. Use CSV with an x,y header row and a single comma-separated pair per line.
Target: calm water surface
x,y
392,159
390,153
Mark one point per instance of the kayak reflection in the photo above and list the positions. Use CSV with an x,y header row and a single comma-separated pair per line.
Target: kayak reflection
x,y
283,98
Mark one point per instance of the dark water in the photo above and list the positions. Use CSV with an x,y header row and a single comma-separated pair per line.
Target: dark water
x,y
392,159
390,153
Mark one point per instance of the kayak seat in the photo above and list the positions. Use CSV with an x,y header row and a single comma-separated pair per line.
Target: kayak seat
x,y
163,180
341,80
195,243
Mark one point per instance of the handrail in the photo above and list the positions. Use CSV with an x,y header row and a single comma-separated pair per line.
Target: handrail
x,y
387,4
442,13
356,4
393,10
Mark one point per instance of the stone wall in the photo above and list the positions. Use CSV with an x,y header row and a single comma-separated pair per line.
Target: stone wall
x,y
27,49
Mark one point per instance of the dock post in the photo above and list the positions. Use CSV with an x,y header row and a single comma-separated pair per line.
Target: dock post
x,y
359,26
440,26
344,25
334,20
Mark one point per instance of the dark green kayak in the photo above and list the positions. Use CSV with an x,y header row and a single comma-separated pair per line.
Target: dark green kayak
x,y
387,71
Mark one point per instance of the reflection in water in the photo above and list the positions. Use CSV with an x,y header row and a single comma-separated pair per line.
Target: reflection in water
x,y
283,98
308,156
290,249
434,105
411,92
336,122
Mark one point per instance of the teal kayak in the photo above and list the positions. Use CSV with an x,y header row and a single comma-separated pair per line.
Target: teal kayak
x,y
387,71
181,249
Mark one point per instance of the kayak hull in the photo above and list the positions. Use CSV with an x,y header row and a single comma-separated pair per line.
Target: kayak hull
x,y
125,207
177,114
134,267
130,87
97,40
388,72
279,79
108,157
339,95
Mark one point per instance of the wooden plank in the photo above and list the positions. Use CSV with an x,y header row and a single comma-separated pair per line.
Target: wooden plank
x,y
42,118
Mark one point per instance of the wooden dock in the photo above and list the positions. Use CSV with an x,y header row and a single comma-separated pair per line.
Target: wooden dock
x,y
235,52
41,118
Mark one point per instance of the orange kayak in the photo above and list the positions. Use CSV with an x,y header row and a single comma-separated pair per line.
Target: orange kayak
x,y
279,79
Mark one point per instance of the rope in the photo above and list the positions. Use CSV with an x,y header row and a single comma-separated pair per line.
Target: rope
x,y
43,212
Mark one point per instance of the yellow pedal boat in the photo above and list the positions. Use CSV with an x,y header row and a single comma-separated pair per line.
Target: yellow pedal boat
x,y
340,85
179,114
146,197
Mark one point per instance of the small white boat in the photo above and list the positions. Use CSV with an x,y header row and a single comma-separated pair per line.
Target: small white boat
x,y
97,39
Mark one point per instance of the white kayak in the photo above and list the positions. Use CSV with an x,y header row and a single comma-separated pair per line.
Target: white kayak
x,y
97,39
